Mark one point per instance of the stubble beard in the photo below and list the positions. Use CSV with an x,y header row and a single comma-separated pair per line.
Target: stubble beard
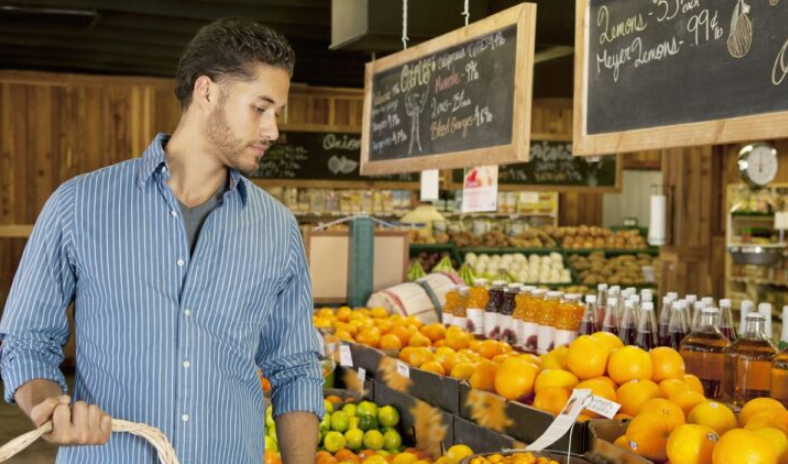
x,y
231,149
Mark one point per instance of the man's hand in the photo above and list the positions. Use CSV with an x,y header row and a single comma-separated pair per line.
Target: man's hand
x,y
80,424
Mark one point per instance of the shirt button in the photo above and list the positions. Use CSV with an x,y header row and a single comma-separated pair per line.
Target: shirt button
x,y
180,262
187,312
185,418
187,364
173,213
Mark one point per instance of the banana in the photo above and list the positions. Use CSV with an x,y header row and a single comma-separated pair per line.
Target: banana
x,y
415,271
467,275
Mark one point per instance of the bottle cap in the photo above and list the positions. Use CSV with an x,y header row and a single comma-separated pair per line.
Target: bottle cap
x,y
591,299
765,308
553,294
746,306
673,295
708,301
648,306
784,336
726,303
691,298
601,287
499,283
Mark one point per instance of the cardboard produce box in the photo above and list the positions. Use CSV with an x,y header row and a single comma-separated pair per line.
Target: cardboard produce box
x,y
367,357
434,389
602,434
480,439
347,381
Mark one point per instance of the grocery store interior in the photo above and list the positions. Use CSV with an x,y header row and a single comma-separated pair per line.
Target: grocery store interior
x,y
582,216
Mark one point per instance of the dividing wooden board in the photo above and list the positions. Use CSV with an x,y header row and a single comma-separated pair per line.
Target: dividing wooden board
x,y
459,100
675,73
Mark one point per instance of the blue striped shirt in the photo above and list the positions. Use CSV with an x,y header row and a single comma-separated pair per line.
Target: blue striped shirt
x,y
165,338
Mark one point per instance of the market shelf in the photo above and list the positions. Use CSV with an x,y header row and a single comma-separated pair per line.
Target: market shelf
x,y
744,280
508,250
609,252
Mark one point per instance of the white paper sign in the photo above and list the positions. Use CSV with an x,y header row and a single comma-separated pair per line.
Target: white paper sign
x,y
579,400
603,406
430,182
480,190
345,357
403,369
362,375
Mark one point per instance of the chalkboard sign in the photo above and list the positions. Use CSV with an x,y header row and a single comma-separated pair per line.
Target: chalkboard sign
x,y
319,156
667,73
455,101
551,165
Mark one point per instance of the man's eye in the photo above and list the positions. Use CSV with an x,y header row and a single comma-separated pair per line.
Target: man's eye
x,y
259,110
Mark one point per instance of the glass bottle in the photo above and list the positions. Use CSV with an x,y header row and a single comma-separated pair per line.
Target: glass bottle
x,y
477,302
589,324
460,317
663,334
784,336
779,374
494,305
679,326
547,319
646,337
707,301
531,314
766,310
452,300
601,305
703,355
521,301
746,308
507,331
610,324
570,314
726,320
748,363
627,329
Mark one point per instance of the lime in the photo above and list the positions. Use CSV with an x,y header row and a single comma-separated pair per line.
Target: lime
x,y
340,421
383,430
271,444
392,441
329,406
388,416
350,409
353,423
354,439
325,424
377,458
366,423
373,440
367,408
405,458
458,452
382,453
333,442
271,431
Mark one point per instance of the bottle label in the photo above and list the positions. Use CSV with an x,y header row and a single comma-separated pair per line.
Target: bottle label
x,y
531,336
779,384
447,318
461,322
508,329
546,339
476,321
520,331
564,337
492,329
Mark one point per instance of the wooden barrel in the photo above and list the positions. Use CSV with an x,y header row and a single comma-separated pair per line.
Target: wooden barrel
x,y
424,298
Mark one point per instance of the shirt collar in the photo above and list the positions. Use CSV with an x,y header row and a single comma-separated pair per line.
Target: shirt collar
x,y
154,158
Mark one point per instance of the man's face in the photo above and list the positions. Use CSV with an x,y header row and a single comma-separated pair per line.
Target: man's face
x,y
244,122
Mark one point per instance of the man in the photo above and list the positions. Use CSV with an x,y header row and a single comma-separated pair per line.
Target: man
x,y
186,278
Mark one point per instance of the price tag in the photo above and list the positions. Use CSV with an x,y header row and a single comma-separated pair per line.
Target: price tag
x,y
330,349
321,344
403,369
362,375
579,400
603,406
345,357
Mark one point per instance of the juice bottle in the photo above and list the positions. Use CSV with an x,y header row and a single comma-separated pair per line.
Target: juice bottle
x,y
703,355
784,336
663,334
746,308
507,329
492,329
779,374
589,325
601,305
460,316
547,319
531,314
766,310
679,326
707,302
477,301
726,320
520,303
567,324
452,300
610,324
628,327
748,363
646,337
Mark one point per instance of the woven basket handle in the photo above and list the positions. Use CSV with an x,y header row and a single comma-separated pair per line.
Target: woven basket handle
x,y
154,436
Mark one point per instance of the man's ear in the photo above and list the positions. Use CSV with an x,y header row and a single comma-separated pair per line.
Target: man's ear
x,y
205,92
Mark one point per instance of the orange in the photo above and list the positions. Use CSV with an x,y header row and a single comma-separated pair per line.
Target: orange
x,y
587,357
515,379
667,362
691,444
666,408
634,393
449,361
413,320
349,328
483,377
343,313
622,442
629,363
419,340
623,417
598,388
378,312
501,358
328,312
583,418
463,371
343,454
608,381
490,349
612,341
757,405
404,354
743,447
420,356
403,333
555,359
474,345
507,348
552,399
384,325
694,383
321,323
390,342
443,351
670,386
434,367
648,435
555,378
272,457
370,337
457,340
344,335
713,414
687,400
777,439
435,331
775,418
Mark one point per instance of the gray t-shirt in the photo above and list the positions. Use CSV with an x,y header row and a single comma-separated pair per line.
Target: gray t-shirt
x,y
194,218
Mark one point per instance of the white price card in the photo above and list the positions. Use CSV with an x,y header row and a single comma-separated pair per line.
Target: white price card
x,y
403,369
579,400
345,357
603,406
362,375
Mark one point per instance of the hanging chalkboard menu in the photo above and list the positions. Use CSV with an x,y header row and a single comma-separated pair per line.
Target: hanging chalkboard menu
x,y
552,166
670,73
298,157
461,99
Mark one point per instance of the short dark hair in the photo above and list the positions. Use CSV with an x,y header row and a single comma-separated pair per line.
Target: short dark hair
x,y
228,49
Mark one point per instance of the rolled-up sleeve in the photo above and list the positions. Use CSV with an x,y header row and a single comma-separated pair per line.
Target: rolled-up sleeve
x,y
34,326
288,352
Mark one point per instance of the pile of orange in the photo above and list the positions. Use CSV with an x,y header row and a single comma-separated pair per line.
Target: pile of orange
x,y
453,455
